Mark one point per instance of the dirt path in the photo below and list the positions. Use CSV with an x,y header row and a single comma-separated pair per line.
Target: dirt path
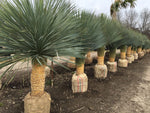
x,y
137,99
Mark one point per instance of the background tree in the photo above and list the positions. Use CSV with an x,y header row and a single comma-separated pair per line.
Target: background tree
x,y
144,24
130,18
118,4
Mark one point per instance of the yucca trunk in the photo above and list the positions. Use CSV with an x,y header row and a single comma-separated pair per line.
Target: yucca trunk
x,y
37,79
123,52
100,69
112,55
80,65
101,54
129,51
139,49
38,101
79,79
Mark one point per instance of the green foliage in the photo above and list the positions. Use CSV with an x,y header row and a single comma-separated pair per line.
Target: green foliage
x,y
90,31
37,29
122,4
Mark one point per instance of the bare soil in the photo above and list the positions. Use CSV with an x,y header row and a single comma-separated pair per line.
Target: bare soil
x,y
126,91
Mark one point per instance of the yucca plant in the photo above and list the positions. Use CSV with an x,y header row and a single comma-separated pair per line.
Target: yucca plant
x,y
110,33
92,38
115,35
37,30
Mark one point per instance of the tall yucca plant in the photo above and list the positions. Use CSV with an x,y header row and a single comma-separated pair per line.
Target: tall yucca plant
x,y
90,34
111,31
37,30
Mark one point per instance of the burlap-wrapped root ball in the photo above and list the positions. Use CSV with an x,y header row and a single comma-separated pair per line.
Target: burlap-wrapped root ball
x,y
112,66
130,59
144,51
79,83
100,71
135,56
88,60
123,63
37,104
141,54
0,84
47,71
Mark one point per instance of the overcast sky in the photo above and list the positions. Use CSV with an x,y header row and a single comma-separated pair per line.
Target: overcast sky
x,y
103,6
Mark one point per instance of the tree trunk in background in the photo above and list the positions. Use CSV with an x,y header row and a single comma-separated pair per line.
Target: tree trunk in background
x,y
100,69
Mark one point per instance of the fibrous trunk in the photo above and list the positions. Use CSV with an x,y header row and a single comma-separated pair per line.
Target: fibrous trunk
x,y
129,51
80,65
123,52
37,79
112,55
101,54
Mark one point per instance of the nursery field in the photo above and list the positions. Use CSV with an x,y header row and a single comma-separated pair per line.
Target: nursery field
x,y
126,91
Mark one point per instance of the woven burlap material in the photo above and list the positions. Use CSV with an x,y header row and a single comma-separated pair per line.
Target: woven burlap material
x,y
112,66
34,104
100,71
100,60
37,80
135,56
89,54
139,50
123,55
141,54
79,83
129,59
80,69
111,59
123,63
